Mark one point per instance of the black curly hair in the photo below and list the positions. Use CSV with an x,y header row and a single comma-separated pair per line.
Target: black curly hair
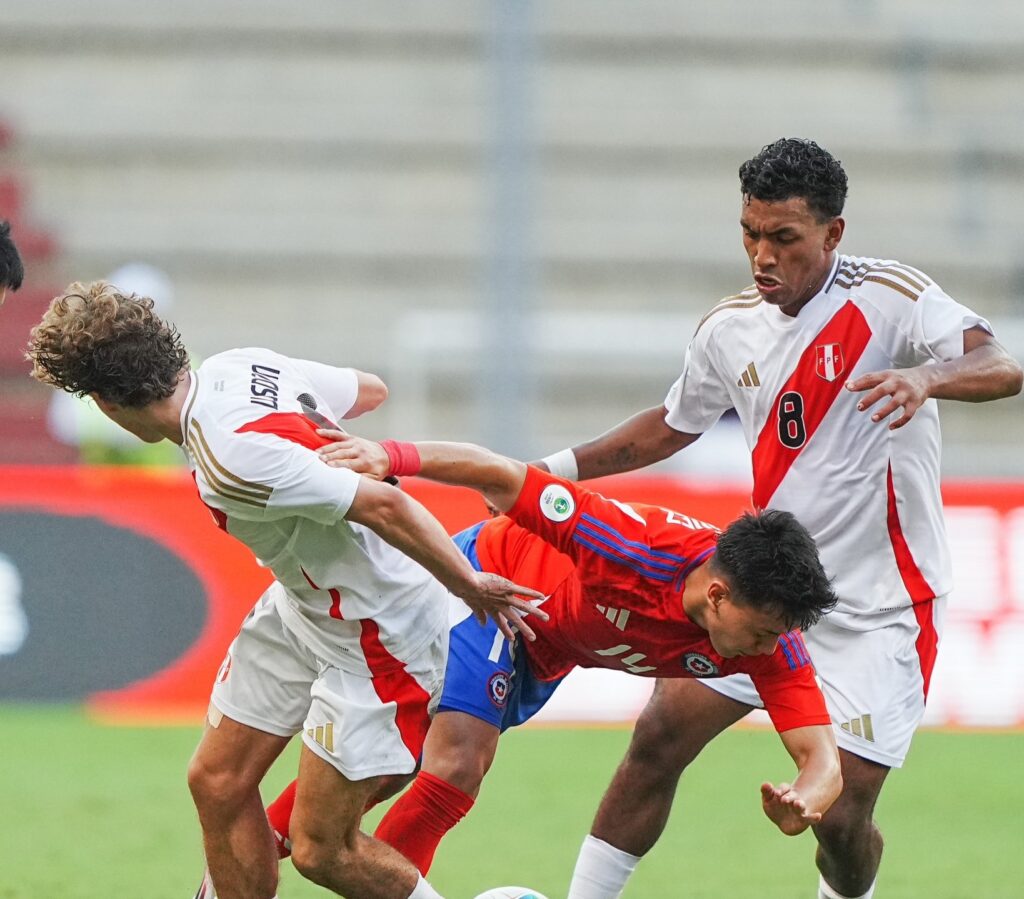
x,y
11,270
793,167
771,563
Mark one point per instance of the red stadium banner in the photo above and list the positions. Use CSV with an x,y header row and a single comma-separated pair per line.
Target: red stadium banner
x,y
117,588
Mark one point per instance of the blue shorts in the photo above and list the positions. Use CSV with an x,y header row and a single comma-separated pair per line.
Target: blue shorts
x,y
485,676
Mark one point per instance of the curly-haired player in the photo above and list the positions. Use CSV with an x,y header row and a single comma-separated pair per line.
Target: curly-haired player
x,y
348,644
833,364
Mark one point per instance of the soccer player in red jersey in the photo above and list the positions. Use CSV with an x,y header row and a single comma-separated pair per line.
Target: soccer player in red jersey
x,y
633,588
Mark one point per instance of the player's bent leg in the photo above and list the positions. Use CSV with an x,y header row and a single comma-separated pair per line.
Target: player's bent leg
x,y
460,749
849,842
679,720
328,846
457,754
279,812
223,777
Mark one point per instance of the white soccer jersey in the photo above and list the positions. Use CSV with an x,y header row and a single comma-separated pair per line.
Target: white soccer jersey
x,y
355,600
868,495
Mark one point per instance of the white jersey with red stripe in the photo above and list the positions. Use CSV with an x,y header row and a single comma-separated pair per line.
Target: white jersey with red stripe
x,y
354,599
868,495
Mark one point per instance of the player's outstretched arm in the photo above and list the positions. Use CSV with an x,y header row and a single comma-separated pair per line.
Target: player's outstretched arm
x,y
405,524
984,372
638,441
795,807
497,477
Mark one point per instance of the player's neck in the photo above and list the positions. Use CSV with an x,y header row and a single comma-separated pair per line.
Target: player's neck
x,y
695,595
794,308
166,413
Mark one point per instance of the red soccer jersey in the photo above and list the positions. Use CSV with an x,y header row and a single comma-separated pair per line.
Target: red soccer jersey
x,y
615,574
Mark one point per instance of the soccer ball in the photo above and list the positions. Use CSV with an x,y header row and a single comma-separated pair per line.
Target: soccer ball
x,y
511,893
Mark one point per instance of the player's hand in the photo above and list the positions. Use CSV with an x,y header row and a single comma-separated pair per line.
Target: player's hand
x,y
783,805
356,453
905,387
492,596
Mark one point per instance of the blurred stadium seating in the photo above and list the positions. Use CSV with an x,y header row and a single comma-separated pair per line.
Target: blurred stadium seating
x,y
22,401
312,177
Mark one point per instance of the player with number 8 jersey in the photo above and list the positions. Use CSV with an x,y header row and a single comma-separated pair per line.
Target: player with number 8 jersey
x,y
786,376
833,364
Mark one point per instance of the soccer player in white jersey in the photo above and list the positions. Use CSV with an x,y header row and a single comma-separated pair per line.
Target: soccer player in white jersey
x,y
833,364
348,645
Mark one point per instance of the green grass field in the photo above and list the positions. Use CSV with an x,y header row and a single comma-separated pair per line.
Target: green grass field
x,y
92,811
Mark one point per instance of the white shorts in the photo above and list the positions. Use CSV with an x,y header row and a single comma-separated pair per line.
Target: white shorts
x,y
363,726
875,682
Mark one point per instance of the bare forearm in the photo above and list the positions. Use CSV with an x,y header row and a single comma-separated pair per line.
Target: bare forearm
x,y
819,777
819,783
497,477
409,527
638,441
985,373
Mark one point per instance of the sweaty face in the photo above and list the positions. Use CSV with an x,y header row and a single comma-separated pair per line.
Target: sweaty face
x,y
790,252
737,629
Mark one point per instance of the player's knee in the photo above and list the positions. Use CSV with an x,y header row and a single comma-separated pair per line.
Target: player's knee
x,y
322,862
845,827
464,769
214,787
309,858
660,750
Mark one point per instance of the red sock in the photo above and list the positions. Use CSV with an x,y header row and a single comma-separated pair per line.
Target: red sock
x,y
422,816
279,814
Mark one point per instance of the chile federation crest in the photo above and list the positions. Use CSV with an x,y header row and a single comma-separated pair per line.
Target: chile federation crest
x,y
699,665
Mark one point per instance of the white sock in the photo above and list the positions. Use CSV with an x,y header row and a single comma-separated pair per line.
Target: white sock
x,y
424,890
826,892
601,870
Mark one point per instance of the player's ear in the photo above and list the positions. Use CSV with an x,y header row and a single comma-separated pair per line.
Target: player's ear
x,y
718,592
834,233
105,406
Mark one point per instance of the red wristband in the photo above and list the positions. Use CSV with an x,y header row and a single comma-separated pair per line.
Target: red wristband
x,y
404,458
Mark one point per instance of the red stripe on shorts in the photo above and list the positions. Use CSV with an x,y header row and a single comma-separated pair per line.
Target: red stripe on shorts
x,y
771,458
395,684
921,594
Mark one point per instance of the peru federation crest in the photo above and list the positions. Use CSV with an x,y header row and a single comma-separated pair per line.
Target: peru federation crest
x,y
828,360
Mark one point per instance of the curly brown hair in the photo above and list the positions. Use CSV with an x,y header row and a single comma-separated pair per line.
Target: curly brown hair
x,y
97,340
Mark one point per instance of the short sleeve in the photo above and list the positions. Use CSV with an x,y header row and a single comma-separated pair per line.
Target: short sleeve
x,y
937,326
792,699
787,685
312,489
588,527
699,396
339,387
284,480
